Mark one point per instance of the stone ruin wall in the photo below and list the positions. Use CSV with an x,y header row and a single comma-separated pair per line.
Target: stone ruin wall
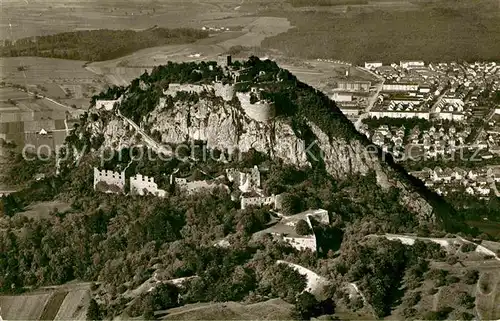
x,y
142,185
302,243
227,92
274,200
261,111
110,178
245,181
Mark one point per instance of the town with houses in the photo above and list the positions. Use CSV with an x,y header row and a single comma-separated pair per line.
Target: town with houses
x,y
444,114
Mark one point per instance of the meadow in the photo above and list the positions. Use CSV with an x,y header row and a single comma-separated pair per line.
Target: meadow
x,y
67,302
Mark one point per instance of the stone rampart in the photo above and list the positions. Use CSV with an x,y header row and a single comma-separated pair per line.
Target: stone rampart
x,y
143,185
261,111
110,178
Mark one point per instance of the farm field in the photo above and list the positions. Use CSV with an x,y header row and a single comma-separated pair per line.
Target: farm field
x,y
43,210
490,227
57,303
64,80
25,307
22,118
29,19
390,31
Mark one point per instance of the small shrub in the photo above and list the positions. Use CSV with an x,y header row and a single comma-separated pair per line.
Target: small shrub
x,y
441,314
452,260
302,228
466,300
438,275
471,276
468,247
356,303
464,316
413,298
409,313
451,279
432,291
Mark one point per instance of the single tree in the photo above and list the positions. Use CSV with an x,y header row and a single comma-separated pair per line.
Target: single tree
x,y
93,312
302,228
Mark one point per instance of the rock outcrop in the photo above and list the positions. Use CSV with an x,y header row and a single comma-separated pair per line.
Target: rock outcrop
x,y
225,126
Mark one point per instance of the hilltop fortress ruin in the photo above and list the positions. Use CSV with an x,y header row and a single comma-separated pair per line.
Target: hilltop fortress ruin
x,y
252,103
114,182
225,91
259,110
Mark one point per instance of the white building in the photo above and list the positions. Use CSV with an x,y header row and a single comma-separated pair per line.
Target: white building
x,y
245,182
400,114
107,105
399,87
408,64
342,97
373,65
286,229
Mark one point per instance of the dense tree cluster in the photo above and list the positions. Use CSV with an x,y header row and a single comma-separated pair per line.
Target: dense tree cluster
x,y
382,267
97,45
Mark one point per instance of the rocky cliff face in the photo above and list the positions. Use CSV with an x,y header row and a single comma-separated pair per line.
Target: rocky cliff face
x,y
226,127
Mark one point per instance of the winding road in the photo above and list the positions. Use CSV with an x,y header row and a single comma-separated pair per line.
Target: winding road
x,y
372,101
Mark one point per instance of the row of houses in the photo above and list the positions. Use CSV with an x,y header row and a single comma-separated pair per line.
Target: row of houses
x,y
475,182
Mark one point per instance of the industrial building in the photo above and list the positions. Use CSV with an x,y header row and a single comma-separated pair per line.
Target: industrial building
x,y
408,64
352,85
399,87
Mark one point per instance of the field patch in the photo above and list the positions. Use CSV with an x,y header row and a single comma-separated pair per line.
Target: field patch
x,y
43,210
254,30
275,309
65,302
378,32
489,227
24,307
49,77
74,306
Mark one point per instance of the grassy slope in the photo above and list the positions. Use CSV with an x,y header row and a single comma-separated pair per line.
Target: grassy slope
x,y
275,309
